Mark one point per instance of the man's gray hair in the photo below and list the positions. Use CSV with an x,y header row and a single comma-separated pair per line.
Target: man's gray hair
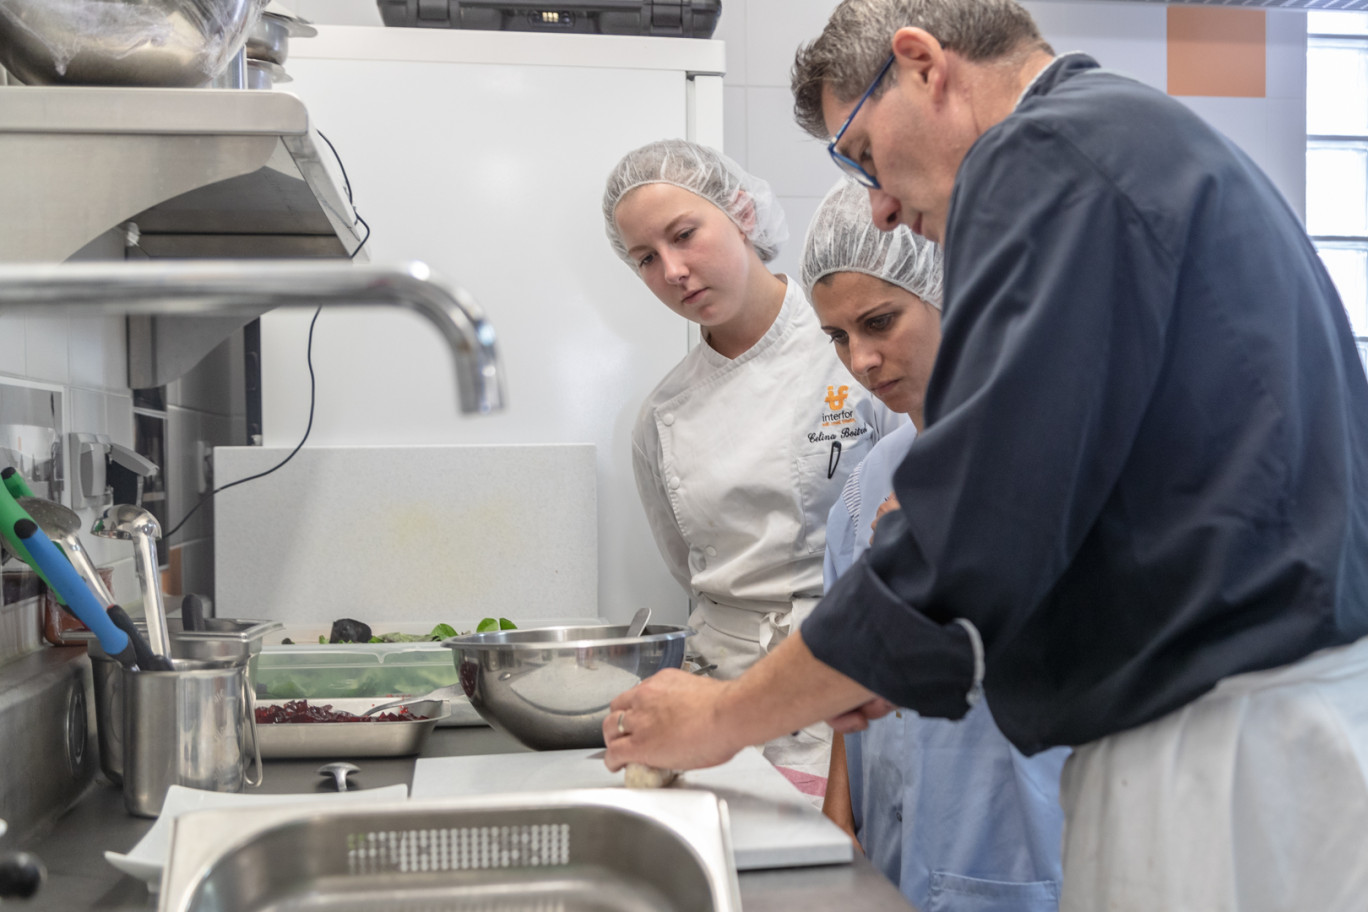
x,y
858,37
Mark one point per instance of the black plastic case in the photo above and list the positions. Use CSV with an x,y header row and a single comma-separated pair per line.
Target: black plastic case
x,y
670,18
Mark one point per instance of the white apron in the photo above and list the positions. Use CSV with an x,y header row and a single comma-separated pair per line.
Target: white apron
x,y
734,639
1252,798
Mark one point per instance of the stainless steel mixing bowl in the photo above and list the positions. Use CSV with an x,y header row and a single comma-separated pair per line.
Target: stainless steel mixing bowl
x,y
175,43
550,687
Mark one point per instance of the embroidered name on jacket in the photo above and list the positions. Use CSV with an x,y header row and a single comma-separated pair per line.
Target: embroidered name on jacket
x,y
840,422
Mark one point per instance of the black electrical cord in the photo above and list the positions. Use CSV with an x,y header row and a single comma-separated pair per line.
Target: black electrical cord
x,y
346,185
308,358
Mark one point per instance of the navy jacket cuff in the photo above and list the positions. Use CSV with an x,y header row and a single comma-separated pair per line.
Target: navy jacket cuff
x,y
865,631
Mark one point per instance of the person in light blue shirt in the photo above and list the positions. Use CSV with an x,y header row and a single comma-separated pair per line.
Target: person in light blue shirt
x,y
948,810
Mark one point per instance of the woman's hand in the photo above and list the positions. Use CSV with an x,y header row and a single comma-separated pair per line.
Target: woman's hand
x,y
836,805
669,721
889,504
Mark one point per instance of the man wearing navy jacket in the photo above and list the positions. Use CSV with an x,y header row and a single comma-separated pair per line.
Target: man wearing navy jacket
x,y
1137,519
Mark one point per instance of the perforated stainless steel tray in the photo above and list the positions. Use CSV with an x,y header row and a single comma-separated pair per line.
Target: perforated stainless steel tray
x,y
607,850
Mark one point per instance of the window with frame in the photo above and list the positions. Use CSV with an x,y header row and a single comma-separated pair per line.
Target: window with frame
x,y
1337,156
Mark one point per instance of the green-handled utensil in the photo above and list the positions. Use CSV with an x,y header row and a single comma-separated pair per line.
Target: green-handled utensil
x,y
63,525
14,483
11,513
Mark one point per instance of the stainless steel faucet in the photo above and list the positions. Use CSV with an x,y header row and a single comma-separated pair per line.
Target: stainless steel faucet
x,y
251,286
129,523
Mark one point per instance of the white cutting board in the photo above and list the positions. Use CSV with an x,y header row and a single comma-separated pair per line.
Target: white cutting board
x,y
772,824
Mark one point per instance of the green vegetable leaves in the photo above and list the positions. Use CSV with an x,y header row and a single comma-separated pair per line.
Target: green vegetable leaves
x,y
436,634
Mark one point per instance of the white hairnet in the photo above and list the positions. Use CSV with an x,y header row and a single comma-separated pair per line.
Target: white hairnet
x,y
703,171
844,238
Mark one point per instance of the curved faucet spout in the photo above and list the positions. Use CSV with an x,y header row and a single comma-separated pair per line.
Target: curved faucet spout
x,y
251,286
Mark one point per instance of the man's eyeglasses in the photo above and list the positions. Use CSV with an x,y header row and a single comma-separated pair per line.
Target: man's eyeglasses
x,y
849,165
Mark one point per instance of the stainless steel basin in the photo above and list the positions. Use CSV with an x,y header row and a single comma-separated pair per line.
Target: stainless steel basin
x,y
550,687
607,850
173,43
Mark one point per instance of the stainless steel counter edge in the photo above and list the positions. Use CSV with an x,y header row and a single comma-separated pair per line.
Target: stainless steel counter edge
x,y
80,878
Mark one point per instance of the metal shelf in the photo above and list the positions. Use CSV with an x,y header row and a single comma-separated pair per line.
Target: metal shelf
x,y
203,173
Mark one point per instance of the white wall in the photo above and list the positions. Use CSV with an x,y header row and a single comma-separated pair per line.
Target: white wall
x,y
474,153
762,36
337,12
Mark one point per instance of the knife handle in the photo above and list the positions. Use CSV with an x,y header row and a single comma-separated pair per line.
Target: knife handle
x,y
147,659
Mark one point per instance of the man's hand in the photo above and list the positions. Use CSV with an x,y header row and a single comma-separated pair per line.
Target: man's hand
x,y
858,719
670,721
679,721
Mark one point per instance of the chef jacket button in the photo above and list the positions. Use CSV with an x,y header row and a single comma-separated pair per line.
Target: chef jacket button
x,y
667,419
898,814
674,484
711,551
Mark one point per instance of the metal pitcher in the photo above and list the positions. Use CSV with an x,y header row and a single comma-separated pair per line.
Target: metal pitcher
x,y
192,726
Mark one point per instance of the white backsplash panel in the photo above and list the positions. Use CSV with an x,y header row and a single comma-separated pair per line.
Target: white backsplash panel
x,y
407,533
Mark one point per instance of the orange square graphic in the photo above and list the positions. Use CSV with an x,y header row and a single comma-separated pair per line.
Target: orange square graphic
x,y
1218,52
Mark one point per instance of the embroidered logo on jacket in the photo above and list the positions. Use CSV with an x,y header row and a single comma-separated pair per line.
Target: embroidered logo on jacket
x,y
838,416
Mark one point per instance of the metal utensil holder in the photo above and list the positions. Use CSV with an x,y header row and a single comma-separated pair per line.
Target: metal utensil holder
x,y
188,726
224,640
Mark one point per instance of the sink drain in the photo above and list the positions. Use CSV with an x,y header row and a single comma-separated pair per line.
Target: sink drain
x,y
76,729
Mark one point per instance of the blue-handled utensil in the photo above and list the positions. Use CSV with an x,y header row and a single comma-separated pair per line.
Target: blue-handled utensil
x,y
64,580
147,659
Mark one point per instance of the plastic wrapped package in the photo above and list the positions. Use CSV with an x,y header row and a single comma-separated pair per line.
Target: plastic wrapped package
x,y
176,43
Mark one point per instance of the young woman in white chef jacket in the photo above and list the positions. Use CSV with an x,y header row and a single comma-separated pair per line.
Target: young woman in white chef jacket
x,y
742,448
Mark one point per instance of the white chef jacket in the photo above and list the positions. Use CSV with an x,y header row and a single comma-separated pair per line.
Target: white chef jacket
x,y
737,462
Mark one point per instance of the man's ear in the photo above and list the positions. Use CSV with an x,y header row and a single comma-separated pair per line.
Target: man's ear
x,y
919,57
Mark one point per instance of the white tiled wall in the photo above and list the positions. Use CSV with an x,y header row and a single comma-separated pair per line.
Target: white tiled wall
x,y
87,358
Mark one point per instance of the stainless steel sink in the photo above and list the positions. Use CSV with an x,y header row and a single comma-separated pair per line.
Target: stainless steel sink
x,y
606,850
